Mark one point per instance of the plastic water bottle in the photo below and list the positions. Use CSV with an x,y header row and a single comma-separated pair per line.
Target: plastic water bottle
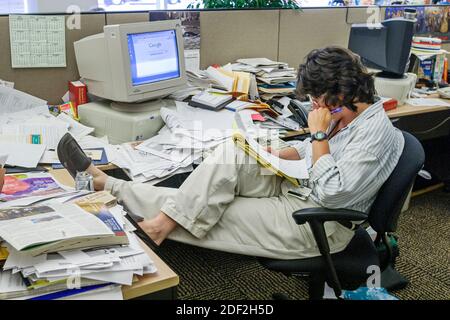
x,y
84,181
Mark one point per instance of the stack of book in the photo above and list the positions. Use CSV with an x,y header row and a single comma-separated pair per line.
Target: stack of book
x,y
274,79
433,62
69,247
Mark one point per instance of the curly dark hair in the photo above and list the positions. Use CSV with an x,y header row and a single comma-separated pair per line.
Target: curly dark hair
x,y
338,75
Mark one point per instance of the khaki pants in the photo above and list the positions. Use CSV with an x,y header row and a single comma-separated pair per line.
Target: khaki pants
x,y
228,204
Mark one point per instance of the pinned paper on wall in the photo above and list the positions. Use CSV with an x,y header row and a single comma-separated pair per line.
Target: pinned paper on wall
x,y
37,41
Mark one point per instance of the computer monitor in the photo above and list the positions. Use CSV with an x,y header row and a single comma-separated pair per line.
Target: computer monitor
x,y
132,63
385,46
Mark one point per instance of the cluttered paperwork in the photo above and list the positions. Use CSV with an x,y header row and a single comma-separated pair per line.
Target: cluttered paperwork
x,y
247,137
91,268
12,100
427,102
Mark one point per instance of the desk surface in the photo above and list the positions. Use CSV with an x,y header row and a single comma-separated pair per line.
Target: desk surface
x,y
408,110
165,278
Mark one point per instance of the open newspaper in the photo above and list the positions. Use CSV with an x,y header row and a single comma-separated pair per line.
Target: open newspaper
x,y
254,142
56,227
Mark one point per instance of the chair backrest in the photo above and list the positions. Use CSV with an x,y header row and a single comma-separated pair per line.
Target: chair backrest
x,y
386,209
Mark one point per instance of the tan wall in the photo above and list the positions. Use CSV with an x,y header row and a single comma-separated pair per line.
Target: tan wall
x,y
300,32
119,18
289,37
229,35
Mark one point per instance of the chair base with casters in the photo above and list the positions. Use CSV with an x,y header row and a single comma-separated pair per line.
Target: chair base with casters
x,y
348,269
351,274
391,279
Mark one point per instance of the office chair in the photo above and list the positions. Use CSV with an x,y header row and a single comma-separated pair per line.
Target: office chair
x,y
348,269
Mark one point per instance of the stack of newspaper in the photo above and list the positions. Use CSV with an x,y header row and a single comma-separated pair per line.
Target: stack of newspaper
x,y
274,78
188,136
69,246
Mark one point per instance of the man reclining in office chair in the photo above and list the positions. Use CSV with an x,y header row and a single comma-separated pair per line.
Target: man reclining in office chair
x,y
229,204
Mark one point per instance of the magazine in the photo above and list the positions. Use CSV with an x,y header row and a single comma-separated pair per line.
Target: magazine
x,y
23,185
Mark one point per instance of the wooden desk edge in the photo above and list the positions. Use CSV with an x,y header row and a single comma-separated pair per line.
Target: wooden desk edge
x,y
164,278
408,110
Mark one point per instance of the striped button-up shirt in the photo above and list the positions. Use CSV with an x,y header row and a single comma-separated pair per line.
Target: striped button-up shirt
x,y
362,156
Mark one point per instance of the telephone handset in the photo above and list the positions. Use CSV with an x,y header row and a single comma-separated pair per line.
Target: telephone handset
x,y
300,111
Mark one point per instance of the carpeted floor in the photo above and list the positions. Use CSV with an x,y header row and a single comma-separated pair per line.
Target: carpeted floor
x,y
424,240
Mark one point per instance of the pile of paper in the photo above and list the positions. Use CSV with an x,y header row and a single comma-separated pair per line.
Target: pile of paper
x,y
30,134
233,82
189,134
90,269
274,78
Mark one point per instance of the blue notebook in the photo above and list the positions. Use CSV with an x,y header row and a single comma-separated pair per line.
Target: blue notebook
x,y
69,292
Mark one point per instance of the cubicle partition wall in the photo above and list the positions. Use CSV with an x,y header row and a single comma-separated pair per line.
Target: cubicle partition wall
x,y
51,83
226,35
46,83
285,35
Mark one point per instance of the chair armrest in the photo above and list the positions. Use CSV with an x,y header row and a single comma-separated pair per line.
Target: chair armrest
x,y
323,214
316,217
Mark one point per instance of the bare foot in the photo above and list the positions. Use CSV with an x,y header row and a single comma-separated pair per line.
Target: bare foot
x,y
159,227
99,177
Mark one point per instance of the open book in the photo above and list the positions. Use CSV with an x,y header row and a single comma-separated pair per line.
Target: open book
x,y
254,142
57,227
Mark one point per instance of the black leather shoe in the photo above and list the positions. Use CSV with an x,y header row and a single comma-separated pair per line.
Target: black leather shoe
x,y
72,156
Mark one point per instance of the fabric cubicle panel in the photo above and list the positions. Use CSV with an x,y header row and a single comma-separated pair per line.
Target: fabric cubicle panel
x,y
232,34
47,83
301,32
132,17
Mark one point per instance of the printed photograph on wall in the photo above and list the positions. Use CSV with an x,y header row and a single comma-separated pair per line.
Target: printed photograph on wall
x,y
190,21
431,21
